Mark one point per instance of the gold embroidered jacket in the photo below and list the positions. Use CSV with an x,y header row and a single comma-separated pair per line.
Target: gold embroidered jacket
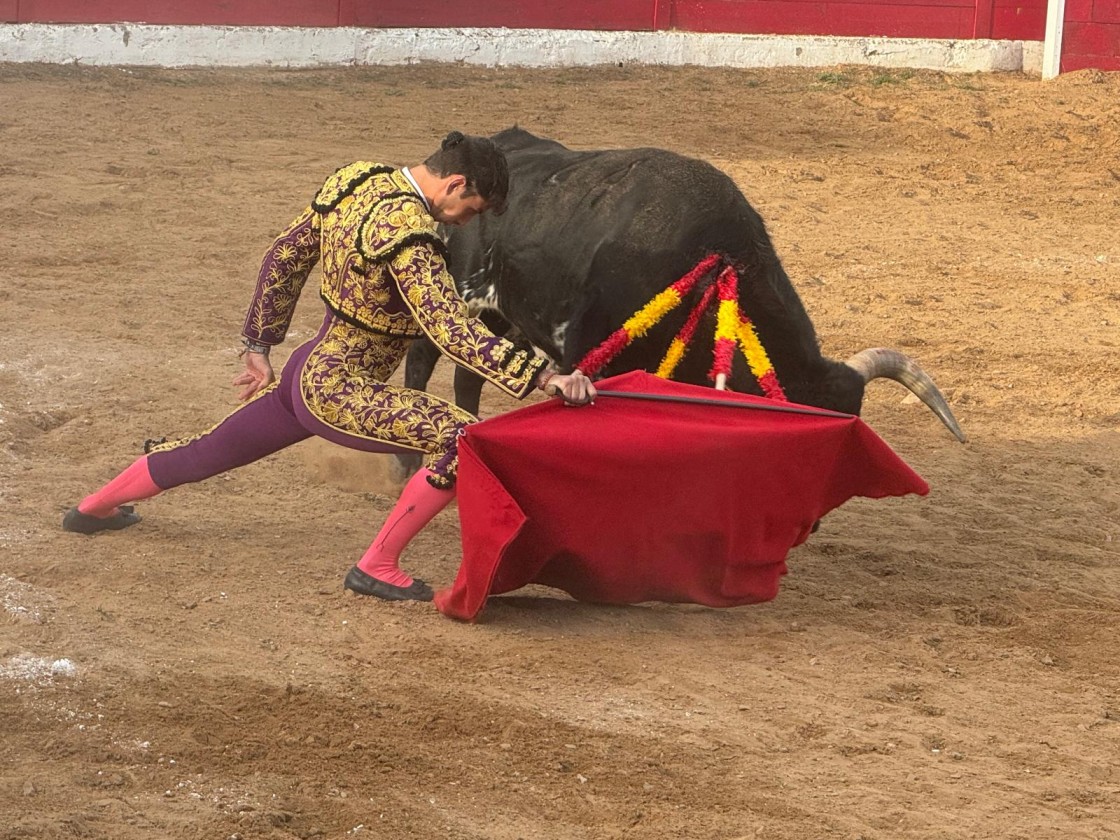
x,y
384,270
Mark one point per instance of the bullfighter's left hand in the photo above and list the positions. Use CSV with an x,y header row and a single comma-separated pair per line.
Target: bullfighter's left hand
x,y
256,376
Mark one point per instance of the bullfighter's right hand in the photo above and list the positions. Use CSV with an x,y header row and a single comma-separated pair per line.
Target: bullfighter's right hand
x,y
257,375
574,387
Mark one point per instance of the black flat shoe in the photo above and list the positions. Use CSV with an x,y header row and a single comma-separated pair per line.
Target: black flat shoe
x,y
83,523
363,584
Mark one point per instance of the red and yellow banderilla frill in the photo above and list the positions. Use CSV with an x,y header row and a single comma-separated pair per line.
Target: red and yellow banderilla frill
x,y
733,328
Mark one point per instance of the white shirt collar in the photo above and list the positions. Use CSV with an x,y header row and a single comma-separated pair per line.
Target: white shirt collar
x,y
415,186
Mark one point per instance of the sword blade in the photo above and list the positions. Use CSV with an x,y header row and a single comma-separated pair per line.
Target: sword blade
x,y
781,407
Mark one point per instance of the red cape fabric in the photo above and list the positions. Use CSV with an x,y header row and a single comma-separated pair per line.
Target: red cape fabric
x,y
628,501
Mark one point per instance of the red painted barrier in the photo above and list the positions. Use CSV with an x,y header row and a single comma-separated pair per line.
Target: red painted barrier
x,y
1018,20
1091,36
176,12
1106,11
633,15
1091,44
888,18
902,18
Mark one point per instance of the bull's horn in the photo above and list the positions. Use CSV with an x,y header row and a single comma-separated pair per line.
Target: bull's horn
x,y
880,362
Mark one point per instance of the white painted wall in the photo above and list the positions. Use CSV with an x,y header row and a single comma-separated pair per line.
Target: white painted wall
x,y
213,46
1052,44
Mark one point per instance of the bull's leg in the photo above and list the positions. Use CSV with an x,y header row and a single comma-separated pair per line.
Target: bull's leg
x,y
589,323
418,366
468,389
495,322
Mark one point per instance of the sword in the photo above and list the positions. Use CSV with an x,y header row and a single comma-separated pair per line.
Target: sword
x,y
787,409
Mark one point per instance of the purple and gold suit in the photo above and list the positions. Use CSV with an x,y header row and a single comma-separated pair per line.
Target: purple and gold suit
x,y
385,283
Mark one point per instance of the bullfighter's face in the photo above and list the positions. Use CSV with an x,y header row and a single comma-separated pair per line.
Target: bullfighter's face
x,y
454,206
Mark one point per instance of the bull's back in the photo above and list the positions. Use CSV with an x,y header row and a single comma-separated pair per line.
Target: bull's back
x,y
591,236
569,210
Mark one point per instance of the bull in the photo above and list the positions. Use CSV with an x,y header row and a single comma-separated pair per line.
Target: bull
x,y
591,236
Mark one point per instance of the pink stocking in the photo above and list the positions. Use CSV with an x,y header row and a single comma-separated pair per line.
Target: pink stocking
x,y
133,484
418,504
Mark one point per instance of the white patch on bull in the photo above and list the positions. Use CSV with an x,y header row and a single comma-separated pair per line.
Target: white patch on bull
x,y
470,291
558,334
484,298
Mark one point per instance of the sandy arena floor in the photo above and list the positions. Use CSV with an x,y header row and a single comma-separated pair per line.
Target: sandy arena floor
x,y
941,667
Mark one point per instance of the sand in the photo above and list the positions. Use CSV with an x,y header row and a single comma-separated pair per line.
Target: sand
x,y
940,667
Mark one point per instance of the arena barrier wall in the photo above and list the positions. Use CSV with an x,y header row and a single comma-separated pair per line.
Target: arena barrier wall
x,y
750,32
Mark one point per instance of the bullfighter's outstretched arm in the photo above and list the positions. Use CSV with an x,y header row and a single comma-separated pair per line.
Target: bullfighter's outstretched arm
x,y
429,291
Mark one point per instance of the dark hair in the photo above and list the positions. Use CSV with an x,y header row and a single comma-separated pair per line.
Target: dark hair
x,y
478,160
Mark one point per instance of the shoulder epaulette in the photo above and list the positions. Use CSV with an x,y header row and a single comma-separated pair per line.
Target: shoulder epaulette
x,y
395,222
343,183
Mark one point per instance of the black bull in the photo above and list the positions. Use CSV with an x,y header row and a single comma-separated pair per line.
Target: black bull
x,y
590,237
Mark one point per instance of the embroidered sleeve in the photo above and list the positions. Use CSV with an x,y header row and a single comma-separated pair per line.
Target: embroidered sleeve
x,y
282,275
427,287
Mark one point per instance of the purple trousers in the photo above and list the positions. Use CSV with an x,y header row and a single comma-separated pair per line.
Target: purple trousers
x,y
341,374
